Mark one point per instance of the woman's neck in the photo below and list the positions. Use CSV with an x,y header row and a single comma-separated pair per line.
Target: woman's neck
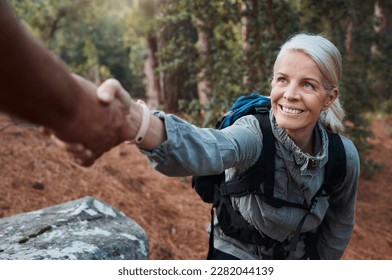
x,y
304,141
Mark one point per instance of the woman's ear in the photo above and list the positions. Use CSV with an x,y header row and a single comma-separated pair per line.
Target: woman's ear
x,y
330,99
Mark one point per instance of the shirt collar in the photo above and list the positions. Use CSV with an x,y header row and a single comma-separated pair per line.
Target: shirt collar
x,y
304,160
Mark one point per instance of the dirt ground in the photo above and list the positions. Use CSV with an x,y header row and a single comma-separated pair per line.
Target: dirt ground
x,y
34,173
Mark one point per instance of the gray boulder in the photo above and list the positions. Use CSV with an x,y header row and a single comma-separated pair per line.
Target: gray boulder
x,y
83,229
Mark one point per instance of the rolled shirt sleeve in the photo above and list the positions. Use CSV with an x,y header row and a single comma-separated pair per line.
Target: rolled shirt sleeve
x,y
190,150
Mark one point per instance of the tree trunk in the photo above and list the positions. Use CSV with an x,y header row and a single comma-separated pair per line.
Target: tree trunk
x,y
152,79
175,81
205,35
277,33
254,58
357,39
383,14
382,50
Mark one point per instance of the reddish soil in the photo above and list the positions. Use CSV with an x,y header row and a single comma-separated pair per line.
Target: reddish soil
x,y
35,174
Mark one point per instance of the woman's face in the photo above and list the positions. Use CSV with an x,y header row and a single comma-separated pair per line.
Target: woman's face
x,y
298,95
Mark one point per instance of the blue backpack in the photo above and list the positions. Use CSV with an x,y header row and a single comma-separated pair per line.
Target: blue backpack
x,y
216,191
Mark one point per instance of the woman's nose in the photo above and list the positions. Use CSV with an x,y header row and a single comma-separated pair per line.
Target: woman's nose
x,y
291,92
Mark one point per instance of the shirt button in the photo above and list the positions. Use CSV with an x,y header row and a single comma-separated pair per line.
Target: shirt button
x,y
313,164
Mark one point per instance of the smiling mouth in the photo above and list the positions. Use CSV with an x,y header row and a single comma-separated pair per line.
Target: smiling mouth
x,y
291,111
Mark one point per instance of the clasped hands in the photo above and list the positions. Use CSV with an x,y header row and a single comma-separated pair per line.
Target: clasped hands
x,y
102,122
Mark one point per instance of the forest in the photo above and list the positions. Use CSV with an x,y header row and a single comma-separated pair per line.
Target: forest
x,y
195,57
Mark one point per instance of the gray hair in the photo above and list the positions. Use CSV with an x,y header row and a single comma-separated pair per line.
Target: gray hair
x,y
329,61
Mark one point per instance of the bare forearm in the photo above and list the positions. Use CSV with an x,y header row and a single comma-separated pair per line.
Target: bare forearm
x,y
35,84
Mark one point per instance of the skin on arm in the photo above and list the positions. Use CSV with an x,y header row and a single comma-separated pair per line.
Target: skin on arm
x,y
33,80
37,86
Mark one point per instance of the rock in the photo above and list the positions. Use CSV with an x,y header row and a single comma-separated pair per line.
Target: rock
x,y
83,229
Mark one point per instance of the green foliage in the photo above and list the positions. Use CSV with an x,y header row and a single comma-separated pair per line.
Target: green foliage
x,y
88,35
138,25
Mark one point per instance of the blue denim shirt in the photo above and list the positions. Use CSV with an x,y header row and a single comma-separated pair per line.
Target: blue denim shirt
x,y
190,150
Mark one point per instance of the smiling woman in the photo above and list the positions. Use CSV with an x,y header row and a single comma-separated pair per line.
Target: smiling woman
x,y
315,222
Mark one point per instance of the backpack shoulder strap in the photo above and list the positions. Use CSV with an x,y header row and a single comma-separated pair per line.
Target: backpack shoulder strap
x,y
335,173
267,157
263,169
335,169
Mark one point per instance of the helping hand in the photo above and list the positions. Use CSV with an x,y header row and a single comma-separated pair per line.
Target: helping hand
x,y
99,125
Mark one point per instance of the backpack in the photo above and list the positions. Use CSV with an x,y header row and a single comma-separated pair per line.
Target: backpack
x,y
215,190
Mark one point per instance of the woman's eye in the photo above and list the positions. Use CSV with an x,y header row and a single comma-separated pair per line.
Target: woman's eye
x,y
308,85
281,80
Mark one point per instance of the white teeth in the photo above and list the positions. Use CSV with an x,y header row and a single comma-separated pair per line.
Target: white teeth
x,y
291,111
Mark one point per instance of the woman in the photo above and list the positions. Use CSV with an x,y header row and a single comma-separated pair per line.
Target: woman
x,y
305,102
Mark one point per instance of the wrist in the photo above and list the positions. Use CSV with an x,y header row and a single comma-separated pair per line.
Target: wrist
x,y
139,121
